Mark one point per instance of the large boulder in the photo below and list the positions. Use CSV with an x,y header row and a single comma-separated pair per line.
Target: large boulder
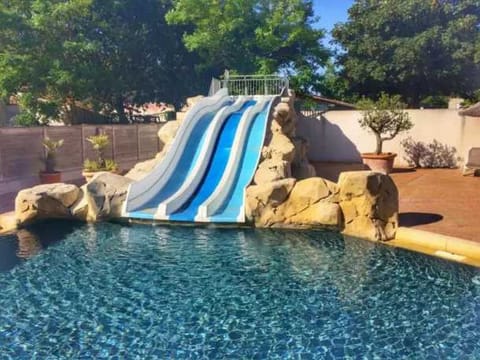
x,y
49,201
190,102
272,170
167,132
369,202
103,197
8,222
320,214
280,147
285,117
261,200
312,202
141,169
295,204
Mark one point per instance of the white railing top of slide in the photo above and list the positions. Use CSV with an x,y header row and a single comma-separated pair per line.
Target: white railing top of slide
x,y
250,84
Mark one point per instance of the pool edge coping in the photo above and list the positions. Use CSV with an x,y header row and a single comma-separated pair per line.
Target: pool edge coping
x,y
438,245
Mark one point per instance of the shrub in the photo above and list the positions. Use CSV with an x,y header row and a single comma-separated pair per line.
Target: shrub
x,y
434,102
432,155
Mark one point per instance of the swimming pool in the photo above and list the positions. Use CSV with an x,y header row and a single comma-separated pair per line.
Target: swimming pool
x,y
179,292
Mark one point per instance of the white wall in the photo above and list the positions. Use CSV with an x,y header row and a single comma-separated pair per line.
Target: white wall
x,y
337,136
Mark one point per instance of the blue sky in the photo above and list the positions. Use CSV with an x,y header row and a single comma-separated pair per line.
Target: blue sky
x,y
331,12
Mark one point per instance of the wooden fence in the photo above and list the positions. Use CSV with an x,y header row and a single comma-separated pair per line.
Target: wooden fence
x,y
21,150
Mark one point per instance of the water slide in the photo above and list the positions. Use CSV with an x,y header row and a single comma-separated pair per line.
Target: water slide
x,y
226,204
212,160
144,196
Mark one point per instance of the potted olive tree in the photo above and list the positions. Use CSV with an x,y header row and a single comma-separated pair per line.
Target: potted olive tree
x,y
385,118
91,167
49,175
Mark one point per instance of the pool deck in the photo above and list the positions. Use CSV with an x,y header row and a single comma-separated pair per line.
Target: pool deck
x,y
436,200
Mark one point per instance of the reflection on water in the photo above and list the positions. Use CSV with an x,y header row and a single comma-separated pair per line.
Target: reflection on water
x,y
30,241
28,244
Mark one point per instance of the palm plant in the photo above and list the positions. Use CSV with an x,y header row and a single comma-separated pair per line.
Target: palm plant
x,y
99,144
51,147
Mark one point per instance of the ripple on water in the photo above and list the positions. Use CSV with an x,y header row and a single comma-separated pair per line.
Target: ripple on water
x,y
94,291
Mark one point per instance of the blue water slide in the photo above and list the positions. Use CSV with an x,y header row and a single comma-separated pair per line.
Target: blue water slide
x,y
216,167
226,204
144,196
191,182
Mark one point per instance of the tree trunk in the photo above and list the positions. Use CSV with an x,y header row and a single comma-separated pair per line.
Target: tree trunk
x,y
379,144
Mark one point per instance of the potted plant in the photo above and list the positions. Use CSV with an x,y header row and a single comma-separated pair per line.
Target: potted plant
x,y
90,167
49,175
386,118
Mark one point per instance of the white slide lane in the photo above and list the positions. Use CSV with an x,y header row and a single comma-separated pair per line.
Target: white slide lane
x,y
140,192
215,201
174,202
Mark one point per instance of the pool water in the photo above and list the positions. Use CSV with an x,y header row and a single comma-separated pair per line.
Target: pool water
x,y
112,291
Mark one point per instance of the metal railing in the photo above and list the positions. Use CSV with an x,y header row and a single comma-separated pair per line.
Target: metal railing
x,y
250,84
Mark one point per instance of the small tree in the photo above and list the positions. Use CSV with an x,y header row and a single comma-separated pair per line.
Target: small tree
x,y
51,147
386,118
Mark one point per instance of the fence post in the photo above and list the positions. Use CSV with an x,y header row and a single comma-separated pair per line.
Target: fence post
x,y
82,141
44,136
138,142
1,155
113,142
158,138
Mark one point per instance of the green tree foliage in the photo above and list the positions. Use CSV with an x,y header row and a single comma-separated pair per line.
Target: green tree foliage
x,y
416,48
254,36
385,118
107,53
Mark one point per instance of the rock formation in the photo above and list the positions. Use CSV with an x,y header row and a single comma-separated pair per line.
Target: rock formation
x,y
369,203
290,203
51,201
286,192
102,198
284,154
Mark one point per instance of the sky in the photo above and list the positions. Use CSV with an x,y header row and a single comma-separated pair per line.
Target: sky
x,y
331,12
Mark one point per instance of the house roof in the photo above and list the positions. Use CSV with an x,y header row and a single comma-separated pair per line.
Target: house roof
x,y
473,110
325,100
150,109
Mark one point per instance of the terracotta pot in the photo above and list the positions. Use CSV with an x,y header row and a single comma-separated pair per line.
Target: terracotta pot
x,y
382,163
50,178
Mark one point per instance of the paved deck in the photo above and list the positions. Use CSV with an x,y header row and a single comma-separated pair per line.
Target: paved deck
x,y
441,201
438,200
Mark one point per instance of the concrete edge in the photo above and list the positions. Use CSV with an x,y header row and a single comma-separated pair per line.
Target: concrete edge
x,y
442,246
